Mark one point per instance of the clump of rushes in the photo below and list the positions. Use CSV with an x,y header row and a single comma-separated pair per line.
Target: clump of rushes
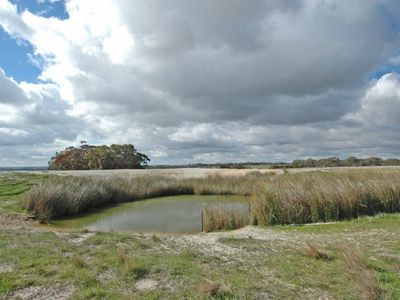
x,y
325,196
60,196
135,268
64,196
216,218
356,267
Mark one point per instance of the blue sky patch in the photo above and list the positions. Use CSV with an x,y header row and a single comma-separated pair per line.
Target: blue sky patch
x,y
44,8
14,59
15,55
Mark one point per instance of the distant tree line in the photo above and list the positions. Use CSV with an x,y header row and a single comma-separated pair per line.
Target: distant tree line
x,y
89,157
349,162
299,163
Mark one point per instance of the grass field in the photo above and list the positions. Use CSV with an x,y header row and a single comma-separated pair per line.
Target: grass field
x,y
356,259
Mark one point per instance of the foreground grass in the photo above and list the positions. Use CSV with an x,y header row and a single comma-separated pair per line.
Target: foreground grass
x,y
272,263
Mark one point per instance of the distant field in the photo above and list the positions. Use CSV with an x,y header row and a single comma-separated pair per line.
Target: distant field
x,y
196,172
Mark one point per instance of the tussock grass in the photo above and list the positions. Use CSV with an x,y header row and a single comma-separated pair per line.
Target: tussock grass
x,y
60,196
314,252
212,289
78,261
325,196
216,218
355,265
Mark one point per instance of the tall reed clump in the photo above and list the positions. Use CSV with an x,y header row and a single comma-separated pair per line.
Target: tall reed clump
x,y
64,196
325,196
59,196
217,218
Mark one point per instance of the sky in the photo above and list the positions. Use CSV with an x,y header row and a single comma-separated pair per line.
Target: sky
x,y
190,81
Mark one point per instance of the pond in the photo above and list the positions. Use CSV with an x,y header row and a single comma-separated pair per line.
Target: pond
x,y
175,214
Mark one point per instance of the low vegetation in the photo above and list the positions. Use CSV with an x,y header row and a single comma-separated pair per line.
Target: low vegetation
x,y
325,196
356,266
40,264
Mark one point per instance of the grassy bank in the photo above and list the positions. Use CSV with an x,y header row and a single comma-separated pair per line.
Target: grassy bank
x,y
325,196
60,196
13,186
260,263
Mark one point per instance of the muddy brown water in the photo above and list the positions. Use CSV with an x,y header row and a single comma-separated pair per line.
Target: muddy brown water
x,y
176,214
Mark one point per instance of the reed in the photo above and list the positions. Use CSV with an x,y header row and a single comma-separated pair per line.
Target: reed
x,y
216,218
325,196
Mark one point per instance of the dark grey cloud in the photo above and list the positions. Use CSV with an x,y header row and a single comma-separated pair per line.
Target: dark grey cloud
x,y
214,80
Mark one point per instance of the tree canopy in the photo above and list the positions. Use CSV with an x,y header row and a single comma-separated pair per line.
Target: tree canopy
x,y
89,157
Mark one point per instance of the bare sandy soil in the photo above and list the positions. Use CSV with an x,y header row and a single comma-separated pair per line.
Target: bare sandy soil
x,y
176,173
194,172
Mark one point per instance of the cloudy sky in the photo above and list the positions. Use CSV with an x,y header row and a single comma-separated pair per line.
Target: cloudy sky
x,y
200,80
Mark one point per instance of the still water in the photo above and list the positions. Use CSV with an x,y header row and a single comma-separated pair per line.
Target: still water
x,y
179,214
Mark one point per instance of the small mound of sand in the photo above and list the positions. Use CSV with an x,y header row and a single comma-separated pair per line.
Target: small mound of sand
x,y
146,284
44,292
5,268
82,237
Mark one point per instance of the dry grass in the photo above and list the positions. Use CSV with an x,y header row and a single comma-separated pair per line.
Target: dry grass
x,y
356,266
314,252
217,218
134,268
211,289
322,196
121,255
78,261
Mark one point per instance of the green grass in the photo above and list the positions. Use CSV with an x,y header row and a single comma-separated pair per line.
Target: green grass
x,y
387,221
12,187
254,269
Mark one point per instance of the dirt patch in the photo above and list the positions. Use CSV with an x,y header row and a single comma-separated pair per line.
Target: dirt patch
x,y
146,285
82,237
107,276
210,243
43,292
5,268
176,173
17,221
